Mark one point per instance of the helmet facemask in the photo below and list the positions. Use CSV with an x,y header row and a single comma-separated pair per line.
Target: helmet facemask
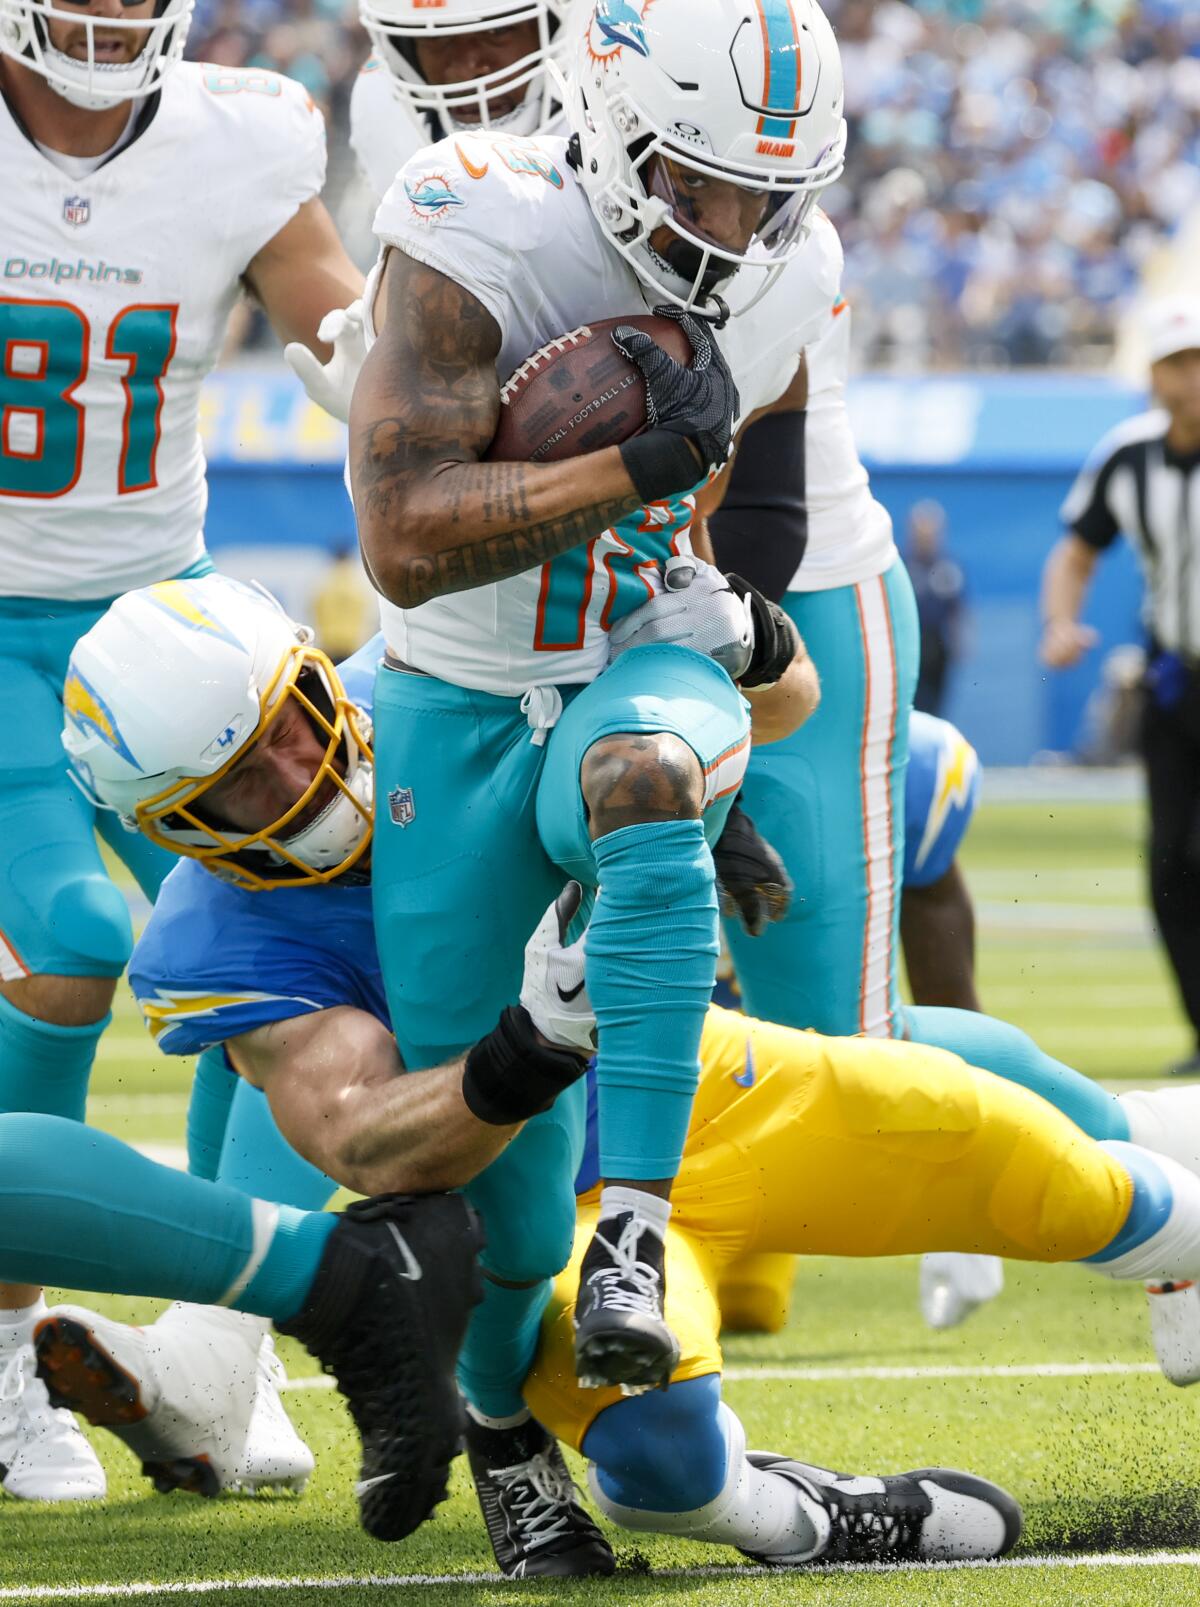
x,y
745,94
324,848
395,38
693,266
90,82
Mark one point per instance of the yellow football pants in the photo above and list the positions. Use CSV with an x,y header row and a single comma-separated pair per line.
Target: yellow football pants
x,y
850,1147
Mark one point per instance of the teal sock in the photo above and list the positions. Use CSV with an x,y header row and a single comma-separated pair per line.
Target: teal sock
x,y
213,1088
651,963
258,1160
44,1067
280,1286
1006,1051
81,1210
499,1347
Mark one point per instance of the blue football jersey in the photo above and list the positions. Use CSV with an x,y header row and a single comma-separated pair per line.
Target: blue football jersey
x,y
940,796
217,960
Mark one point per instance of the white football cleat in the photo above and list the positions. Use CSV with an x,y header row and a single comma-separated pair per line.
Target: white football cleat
x,y
179,1394
275,1457
1175,1330
954,1285
44,1455
929,1515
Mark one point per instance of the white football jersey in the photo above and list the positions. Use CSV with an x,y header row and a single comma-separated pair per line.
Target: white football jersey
x,y
849,533
384,134
115,290
506,218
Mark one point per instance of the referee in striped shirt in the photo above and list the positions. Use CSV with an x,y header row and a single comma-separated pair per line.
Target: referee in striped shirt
x,y
1144,479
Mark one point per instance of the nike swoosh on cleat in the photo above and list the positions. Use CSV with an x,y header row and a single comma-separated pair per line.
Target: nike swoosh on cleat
x,y
745,1077
411,1263
364,1485
566,996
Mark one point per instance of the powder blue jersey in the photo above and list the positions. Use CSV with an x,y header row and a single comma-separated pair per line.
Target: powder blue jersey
x,y
941,793
217,960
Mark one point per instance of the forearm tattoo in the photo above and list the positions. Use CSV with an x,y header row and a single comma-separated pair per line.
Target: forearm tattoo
x,y
417,465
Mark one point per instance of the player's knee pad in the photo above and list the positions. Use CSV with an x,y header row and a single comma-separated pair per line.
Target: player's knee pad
x,y
665,1452
541,1249
1060,1196
87,929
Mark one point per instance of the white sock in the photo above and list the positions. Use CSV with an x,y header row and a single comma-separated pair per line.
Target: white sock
x,y
485,1421
649,1209
756,1510
1167,1121
1172,1253
18,1322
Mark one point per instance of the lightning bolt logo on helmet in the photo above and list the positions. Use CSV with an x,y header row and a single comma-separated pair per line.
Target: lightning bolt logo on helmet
x,y
84,706
617,25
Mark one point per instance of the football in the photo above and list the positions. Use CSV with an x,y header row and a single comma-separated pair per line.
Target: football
x,y
578,393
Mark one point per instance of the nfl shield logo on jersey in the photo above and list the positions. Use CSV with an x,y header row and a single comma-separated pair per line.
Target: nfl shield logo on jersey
x,y
401,807
77,209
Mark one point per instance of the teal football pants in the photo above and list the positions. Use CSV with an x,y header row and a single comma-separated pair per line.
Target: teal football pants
x,y
60,915
830,798
478,827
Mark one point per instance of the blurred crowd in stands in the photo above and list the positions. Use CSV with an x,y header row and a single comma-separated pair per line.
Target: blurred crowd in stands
x,y
1013,164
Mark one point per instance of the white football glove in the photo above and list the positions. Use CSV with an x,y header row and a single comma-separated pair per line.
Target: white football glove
x,y
553,989
699,610
331,384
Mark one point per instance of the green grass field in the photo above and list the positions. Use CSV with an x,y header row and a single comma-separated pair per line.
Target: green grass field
x,y
1050,1390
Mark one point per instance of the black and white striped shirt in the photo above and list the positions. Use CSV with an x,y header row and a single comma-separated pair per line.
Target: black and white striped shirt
x,y
1134,483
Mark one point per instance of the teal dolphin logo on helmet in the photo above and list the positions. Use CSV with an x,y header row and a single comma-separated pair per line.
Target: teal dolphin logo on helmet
x,y
620,24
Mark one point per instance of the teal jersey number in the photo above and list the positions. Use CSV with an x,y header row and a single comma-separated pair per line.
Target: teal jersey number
x,y
145,338
43,361
637,545
44,346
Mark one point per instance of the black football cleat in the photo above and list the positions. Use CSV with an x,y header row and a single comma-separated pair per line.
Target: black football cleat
x,y
535,1519
621,1335
930,1515
386,1316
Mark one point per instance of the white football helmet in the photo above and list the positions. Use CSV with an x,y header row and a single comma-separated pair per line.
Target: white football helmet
x,y
747,92
172,688
396,27
88,82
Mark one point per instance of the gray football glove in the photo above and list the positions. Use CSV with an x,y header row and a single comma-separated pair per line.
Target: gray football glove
x,y
700,610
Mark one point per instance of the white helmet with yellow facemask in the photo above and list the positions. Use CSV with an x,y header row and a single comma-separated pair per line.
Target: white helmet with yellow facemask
x,y
176,686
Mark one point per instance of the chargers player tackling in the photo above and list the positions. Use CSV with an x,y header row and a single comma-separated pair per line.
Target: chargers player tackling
x,y
131,221
796,1142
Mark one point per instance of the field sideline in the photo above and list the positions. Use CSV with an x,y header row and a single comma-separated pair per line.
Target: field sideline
x,y
1048,1391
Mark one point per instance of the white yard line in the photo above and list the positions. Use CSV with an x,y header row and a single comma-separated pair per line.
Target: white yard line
x,y
206,1587
837,1375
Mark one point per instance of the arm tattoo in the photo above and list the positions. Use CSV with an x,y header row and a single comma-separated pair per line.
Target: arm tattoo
x,y
432,517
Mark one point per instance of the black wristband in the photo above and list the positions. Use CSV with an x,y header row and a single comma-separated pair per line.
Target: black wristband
x,y
661,464
775,637
511,1075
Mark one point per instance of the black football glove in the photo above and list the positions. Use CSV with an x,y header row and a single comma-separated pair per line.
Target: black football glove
x,y
753,883
697,404
775,638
